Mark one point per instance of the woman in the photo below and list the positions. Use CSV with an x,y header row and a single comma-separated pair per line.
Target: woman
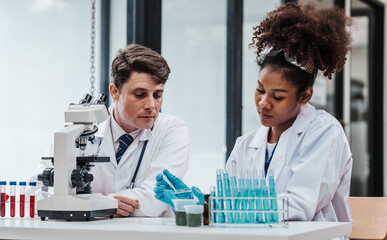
x,y
306,148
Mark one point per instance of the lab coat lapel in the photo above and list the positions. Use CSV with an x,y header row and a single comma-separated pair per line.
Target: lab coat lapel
x,y
258,145
106,142
279,156
306,115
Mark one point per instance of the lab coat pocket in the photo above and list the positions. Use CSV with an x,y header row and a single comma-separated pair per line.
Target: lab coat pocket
x,y
284,178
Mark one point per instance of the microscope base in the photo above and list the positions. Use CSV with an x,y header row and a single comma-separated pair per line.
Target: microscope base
x,y
76,215
77,207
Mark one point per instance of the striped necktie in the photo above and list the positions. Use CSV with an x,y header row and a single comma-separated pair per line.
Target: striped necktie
x,y
125,141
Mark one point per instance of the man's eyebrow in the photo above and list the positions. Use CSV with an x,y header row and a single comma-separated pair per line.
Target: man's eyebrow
x,y
140,89
146,90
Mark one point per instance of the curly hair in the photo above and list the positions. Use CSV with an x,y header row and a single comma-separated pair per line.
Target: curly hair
x,y
316,37
137,58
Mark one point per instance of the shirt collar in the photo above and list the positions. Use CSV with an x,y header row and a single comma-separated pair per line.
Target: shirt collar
x,y
305,116
260,137
117,131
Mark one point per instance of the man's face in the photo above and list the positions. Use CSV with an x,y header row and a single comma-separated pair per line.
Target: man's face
x,y
138,103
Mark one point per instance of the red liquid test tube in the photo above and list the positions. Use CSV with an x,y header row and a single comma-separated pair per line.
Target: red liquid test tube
x,y
22,198
13,198
32,198
2,198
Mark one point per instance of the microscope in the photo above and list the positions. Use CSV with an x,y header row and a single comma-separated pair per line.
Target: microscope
x,y
73,198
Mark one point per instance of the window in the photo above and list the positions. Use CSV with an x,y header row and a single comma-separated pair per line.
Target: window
x,y
45,65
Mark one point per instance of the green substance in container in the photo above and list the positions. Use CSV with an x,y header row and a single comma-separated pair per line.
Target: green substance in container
x,y
194,220
180,218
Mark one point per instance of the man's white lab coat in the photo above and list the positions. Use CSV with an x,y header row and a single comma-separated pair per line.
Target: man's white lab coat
x,y
168,147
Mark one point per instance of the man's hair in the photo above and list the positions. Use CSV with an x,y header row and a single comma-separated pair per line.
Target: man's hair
x,y
137,58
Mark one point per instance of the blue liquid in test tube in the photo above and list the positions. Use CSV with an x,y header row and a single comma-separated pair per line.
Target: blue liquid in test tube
x,y
243,193
273,194
236,203
266,203
251,194
214,215
220,205
258,201
227,193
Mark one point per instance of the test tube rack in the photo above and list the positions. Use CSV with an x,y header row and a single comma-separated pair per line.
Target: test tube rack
x,y
232,214
17,201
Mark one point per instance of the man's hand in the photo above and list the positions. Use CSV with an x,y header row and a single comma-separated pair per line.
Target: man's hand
x,y
125,205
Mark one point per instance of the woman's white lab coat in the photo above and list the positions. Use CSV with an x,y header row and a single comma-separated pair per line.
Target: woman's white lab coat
x,y
312,165
168,147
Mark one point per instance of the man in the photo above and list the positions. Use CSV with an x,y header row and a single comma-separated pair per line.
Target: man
x,y
138,76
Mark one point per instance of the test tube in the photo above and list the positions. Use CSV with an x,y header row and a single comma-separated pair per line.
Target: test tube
x,y
265,196
3,185
22,196
219,184
258,200
227,193
213,205
251,195
273,194
236,202
12,194
176,191
243,194
31,191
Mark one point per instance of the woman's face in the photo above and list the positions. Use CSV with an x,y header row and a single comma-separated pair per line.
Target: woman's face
x,y
276,99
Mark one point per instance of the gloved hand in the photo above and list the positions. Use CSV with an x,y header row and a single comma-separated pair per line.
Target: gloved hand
x,y
168,195
176,182
165,193
200,196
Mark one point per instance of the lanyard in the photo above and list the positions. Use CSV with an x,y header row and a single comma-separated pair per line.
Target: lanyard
x,y
131,185
267,159
138,165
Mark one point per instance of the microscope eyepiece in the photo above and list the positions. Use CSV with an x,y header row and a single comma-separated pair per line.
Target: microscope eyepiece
x,y
102,98
85,99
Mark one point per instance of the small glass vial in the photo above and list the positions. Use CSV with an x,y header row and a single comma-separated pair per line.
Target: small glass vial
x,y
31,192
3,199
22,198
12,190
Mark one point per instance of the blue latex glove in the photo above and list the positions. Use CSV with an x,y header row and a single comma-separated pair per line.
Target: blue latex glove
x,y
199,195
168,195
165,193
176,182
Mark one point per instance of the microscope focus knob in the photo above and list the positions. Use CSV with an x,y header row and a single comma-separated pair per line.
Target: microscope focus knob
x,y
47,177
81,178
88,177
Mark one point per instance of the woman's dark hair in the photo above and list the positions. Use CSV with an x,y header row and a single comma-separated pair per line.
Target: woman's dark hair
x,y
317,38
137,58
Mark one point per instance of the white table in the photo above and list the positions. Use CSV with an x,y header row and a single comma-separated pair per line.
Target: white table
x,y
160,229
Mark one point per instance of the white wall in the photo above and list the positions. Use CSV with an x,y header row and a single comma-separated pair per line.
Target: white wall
x,y
45,65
